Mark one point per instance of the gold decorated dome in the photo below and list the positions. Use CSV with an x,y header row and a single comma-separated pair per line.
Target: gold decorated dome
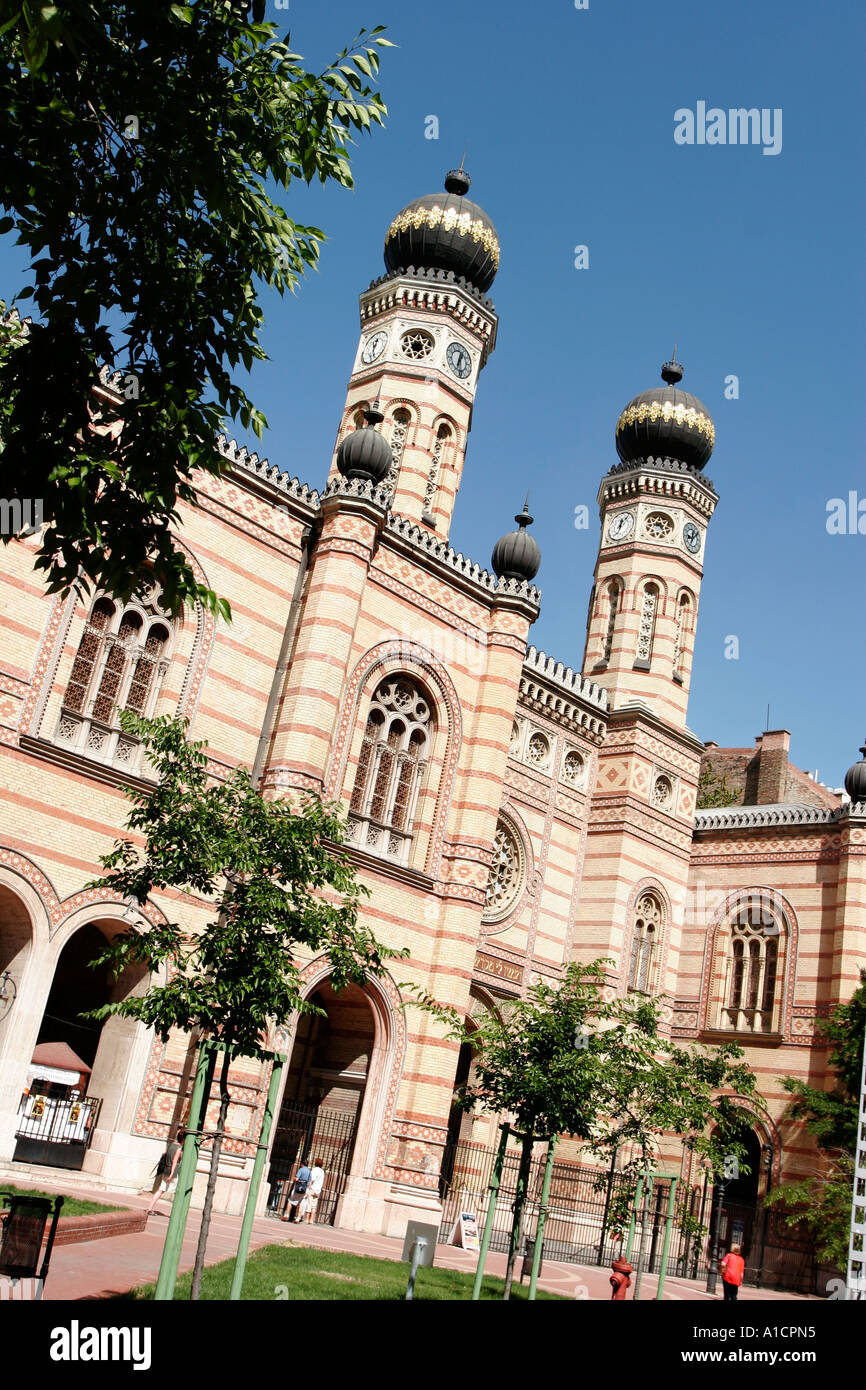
x,y
445,231
666,423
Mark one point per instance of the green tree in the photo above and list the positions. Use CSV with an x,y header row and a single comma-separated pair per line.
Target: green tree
x,y
564,1060
822,1201
138,142
276,880
713,790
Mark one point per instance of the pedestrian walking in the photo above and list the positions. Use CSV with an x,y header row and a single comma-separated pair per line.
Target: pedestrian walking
x,y
307,1209
297,1193
165,1172
733,1266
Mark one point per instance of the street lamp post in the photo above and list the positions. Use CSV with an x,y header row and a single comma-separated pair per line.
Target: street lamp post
x,y
767,1158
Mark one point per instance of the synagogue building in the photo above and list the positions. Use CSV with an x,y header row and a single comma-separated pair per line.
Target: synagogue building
x,y
510,811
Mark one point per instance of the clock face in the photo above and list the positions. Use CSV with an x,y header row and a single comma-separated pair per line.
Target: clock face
x,y
621,526
458,360
374,347
691,537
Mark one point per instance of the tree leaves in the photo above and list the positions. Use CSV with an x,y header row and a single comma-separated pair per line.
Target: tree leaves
x,y
565,1060
138,145
275,879
822,1200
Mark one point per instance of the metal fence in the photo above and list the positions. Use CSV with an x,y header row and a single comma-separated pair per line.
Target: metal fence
x,y
305,1133
578,1231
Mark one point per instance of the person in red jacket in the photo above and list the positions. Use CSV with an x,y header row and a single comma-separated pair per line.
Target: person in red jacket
x,y
619,1280
732,1273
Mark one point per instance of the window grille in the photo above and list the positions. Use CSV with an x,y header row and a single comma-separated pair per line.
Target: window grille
x,y
120,664
505,881
399,434
391,765
647,623
645,945
752,970
443,434
613,597
682,628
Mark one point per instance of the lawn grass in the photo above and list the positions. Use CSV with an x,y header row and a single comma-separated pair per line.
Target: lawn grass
x,y
328,1276
72,1206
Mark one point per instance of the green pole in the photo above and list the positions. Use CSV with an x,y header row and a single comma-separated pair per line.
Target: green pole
x,y
647,1210
256,1178
165,1284
519,1210
631,1225
491,1212
669,1221
542,1218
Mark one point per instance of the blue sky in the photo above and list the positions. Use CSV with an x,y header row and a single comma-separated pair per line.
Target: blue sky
x,y
751,263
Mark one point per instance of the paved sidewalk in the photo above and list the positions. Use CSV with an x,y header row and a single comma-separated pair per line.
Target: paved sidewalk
x,y
99,1268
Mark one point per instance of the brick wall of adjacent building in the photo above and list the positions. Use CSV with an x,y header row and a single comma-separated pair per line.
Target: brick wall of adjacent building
x,y
765,774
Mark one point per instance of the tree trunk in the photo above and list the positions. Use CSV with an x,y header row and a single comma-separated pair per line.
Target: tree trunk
x,y
519,1209
225,1097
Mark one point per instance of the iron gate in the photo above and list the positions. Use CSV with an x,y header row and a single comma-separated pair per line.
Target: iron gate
x,y
577,1229
55,1130
306,1133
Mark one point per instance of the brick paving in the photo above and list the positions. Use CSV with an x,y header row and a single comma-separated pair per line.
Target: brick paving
x,y
100,1268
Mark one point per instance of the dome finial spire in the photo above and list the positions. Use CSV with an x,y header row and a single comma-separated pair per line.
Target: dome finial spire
x,y
672,372
457,180
517,555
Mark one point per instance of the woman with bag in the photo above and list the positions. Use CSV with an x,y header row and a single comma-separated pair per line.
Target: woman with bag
x,y
297,1194
166,1171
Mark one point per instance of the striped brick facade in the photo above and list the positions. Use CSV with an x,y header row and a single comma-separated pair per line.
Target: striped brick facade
x,y
579,783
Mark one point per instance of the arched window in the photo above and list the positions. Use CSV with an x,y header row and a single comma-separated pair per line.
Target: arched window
x,y
683,624
646,632
400,422
89,653
443,435
120,663
645,945
752,969
394,752
613,595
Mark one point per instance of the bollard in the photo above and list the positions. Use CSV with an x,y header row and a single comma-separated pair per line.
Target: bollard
x,y
417,1251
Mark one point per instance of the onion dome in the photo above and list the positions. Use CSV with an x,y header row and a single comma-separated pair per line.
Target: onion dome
x,y
365,453
517,555
666,423
447,232
855,779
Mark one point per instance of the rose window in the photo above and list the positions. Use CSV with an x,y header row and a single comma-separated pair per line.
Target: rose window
x,y
538,750
506,874
663,791
572,768
659,526
417,345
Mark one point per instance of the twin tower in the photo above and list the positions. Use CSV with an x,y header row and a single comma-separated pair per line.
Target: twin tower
x,y
427,330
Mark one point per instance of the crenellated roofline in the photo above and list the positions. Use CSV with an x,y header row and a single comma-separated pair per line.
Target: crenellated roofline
x,y
776,813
